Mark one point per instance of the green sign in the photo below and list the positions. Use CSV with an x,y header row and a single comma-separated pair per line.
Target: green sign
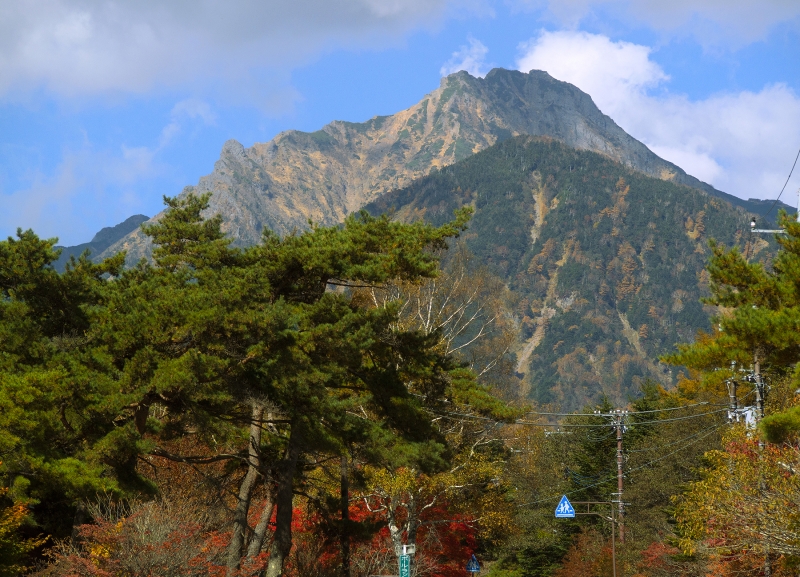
x,y
405,565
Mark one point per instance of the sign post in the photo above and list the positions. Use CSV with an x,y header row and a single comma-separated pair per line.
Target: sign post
x,y
565,510
405,565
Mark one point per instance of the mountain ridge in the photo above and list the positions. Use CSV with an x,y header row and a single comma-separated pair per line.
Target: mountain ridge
x,y
101,241
325,175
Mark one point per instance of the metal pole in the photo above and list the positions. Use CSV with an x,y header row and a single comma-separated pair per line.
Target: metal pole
x,y
613,522
613,545
760,415
621,505
759,390
733,401
797,216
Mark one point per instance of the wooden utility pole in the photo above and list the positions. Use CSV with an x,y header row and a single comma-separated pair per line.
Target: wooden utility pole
x,y
620,462
759,389
760,394
617,421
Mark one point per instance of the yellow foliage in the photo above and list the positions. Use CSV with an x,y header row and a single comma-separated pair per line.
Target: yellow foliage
x,y
747,501
695,227
12,547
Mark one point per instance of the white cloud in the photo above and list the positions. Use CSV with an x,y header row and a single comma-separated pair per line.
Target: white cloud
x,y
735,22
82,47
471,58
608,71
742,143
191,109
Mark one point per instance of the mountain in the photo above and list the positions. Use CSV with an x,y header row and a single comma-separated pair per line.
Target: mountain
x,y
325,175
101,241
607,264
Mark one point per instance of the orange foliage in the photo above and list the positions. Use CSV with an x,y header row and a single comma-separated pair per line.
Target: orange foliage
x,y
589,556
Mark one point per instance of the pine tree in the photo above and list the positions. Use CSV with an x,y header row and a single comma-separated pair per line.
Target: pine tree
x,y
254,352
55,416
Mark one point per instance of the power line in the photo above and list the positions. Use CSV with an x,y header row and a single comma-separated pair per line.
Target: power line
x,y
551,498
560,425
681,418
662,457
668,445
784,184
672,408
629,412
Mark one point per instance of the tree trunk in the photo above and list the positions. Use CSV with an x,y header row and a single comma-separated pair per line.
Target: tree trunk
x,y
413,525
240,526
282,539
260,532
77,521
395,530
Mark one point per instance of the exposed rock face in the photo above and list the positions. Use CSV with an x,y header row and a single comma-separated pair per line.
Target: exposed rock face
x,y
325,175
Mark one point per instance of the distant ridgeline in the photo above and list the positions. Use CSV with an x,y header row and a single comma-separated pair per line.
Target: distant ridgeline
x,y
607,264
101,241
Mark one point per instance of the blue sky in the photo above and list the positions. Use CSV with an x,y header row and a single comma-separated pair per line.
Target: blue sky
x,y
105,107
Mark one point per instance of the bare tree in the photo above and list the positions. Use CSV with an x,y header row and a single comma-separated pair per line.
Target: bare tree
x,y
466,304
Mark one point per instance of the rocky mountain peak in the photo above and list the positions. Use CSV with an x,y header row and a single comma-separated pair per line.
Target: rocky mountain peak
x,y
325,175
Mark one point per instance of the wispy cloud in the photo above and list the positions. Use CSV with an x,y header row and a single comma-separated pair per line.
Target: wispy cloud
x,y
741,142
189,109
471,58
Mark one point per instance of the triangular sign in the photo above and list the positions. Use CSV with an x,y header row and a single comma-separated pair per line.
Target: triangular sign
x,y
564,509
472,565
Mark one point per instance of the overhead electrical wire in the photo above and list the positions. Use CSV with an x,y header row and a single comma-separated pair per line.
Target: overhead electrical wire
x,y
668,445
611,478
784,184
655,421
662,457
441,413
673,408
629,412
611,424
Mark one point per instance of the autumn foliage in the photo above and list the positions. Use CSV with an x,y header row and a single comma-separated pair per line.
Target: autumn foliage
x,y
14,547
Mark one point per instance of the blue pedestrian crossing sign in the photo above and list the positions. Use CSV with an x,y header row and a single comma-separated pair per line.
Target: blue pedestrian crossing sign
x,y
472,565
565,510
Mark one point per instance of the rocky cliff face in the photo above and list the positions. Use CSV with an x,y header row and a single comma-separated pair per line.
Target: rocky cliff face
x,y
325,175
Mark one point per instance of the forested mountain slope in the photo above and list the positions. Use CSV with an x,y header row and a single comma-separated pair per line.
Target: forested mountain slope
x,y
607,264
327,174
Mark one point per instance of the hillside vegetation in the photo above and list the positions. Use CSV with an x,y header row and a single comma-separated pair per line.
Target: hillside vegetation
x,y
309,405
606,264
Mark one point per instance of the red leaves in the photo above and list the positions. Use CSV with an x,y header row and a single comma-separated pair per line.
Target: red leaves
x,y
656,556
